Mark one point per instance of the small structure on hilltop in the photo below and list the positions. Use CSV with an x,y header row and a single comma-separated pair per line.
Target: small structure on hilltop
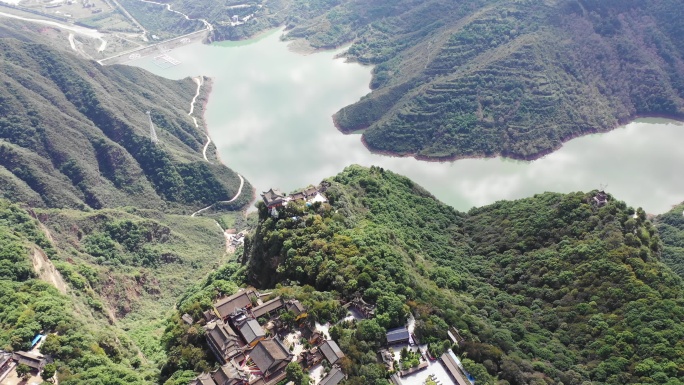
x,y
388,358
331,351
312,357
454,335
209,315
600,199
228,374
295,307
314,337
273,198
367,310
187,318
397,336
35,361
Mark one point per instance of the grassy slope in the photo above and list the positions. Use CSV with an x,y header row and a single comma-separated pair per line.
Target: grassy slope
x,y
137,277
547,289
75,134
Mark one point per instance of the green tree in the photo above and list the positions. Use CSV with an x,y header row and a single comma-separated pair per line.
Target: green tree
x,y
296,374
48,372
23,371
288,318
370,331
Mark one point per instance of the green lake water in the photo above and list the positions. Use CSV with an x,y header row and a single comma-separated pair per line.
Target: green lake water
x,y
270,111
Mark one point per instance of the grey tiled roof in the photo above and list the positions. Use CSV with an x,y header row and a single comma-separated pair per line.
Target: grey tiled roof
x,y
251,331
227,305
333,378
269,355
331,351
397,335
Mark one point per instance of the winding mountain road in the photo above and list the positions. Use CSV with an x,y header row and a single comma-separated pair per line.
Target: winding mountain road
x,y
242,183
207,25
73,29
200,81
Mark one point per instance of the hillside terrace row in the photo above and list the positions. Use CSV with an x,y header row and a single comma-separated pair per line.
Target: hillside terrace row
x,y
248,355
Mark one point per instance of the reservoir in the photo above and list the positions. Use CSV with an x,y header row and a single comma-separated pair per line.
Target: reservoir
x,y
270,110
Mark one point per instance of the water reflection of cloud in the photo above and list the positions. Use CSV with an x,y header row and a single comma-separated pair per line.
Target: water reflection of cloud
x,y
245,127
270,109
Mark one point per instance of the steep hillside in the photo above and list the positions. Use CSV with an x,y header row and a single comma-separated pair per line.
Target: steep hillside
x,y
131,266
109,274
550,289
74,134
86,350
103,242
487,77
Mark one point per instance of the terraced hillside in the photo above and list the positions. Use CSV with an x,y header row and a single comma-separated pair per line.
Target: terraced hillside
x,y
515,78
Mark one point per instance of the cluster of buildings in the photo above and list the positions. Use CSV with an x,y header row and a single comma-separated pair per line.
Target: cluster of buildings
x,y
235,239
274,198
33,360
452,368
251,355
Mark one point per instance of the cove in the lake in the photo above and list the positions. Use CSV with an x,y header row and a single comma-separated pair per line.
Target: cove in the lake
x,y
270,111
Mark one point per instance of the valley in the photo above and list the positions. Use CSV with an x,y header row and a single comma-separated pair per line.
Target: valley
x,y
218,216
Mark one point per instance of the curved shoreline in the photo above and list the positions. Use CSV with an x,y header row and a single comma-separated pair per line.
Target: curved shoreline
x,y
529,158
203,81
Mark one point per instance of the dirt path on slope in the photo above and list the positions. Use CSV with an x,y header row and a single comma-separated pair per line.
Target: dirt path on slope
x,y
46,270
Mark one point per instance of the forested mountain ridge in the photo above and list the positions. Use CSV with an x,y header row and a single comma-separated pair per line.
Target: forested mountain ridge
x,y
550,289
509,77
74,134
476,78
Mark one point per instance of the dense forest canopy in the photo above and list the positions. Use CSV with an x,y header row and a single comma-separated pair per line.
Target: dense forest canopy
x,y
550,289
671,229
